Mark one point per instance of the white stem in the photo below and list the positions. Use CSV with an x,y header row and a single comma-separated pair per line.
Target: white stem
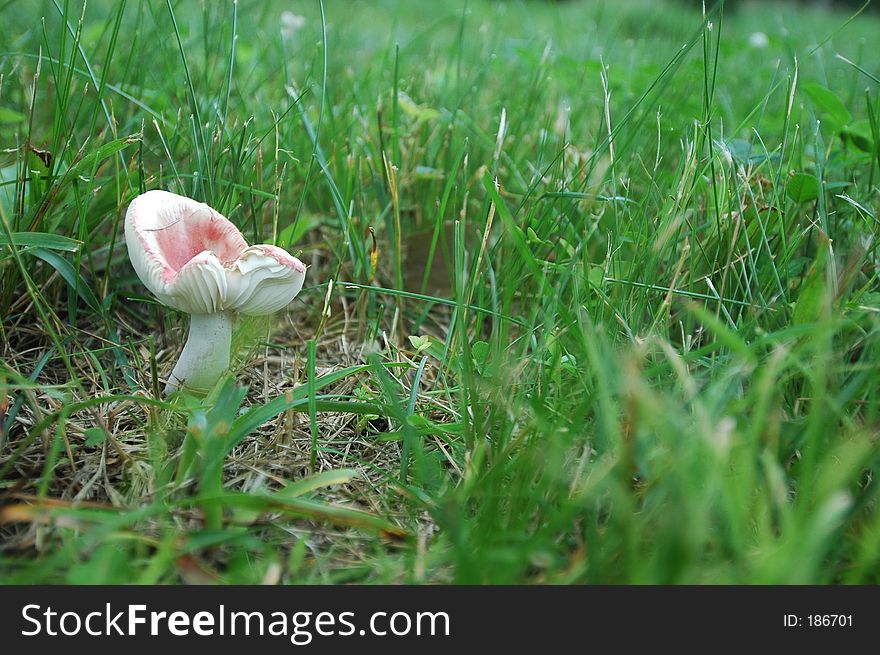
x,y
206,354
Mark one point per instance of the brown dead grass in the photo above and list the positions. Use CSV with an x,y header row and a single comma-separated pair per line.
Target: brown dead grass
x,y
118,473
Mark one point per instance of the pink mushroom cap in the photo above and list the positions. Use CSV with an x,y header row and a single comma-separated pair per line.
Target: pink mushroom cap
x,y
195,260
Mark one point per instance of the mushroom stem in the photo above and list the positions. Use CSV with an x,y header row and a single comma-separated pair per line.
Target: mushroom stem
x,y
206,354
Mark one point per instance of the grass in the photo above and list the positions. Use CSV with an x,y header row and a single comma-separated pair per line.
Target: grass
x,y
592,298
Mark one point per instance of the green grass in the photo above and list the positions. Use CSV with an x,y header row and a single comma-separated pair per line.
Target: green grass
x,y
593,294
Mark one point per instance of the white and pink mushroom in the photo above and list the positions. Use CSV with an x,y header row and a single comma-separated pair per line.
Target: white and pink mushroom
x,y
195,260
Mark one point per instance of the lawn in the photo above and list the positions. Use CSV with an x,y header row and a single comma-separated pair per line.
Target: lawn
x,y
592,293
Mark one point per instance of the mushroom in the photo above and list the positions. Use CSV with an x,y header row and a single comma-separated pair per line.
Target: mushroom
x,y
196,261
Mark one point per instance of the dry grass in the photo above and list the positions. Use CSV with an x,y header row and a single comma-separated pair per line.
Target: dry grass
x,y
117,472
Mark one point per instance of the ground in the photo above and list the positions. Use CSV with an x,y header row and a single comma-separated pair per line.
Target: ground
x,y
592,293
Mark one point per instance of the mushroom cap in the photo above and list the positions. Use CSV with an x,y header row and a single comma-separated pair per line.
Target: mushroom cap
x,y
195,260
